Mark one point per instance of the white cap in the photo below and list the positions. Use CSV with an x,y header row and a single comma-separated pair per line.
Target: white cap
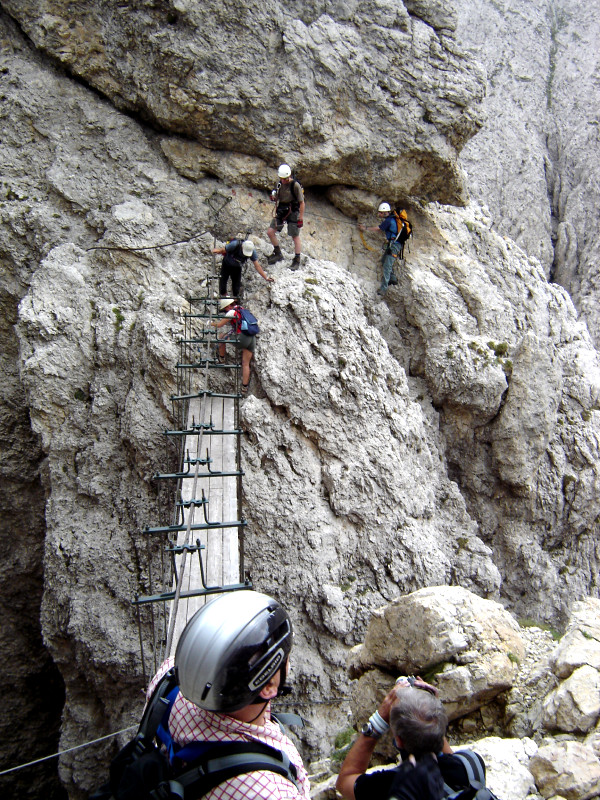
x,y
247,247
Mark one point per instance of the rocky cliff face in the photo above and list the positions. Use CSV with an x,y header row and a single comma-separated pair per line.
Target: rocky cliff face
x,y
535,163
320,84
448,435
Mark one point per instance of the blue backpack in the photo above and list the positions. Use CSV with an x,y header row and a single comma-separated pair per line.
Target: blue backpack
x,y
245,322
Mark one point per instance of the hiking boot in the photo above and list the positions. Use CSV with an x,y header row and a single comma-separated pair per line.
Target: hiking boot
x,y
393,281
382,290
295,262
275,256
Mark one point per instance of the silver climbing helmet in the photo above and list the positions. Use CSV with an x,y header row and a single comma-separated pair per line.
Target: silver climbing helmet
x,y
384,207
231,648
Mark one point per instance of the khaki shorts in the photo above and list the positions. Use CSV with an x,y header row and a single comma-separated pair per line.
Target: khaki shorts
x,y
291,220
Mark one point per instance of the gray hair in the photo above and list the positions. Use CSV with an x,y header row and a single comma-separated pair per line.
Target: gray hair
x,y
419,719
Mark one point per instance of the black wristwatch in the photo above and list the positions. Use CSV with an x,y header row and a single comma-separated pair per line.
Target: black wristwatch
x,y
368,730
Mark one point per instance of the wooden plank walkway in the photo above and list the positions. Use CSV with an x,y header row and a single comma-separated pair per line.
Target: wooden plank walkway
x,y
221,555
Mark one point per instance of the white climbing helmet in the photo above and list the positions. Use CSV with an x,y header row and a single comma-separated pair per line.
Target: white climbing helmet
x,y
284,171
248,247
384,207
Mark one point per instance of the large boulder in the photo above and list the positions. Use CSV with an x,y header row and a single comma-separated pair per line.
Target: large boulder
x,y
568,769
574,706
581,643
467,646
507,771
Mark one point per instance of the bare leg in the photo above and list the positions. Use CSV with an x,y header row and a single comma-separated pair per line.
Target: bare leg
x,y
273,237
246,359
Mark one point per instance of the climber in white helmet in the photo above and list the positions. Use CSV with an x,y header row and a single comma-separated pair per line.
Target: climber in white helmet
x,y
389,227
231,661
289,197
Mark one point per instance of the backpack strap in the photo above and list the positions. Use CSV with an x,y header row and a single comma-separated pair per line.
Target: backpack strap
x,y
294,202
158,705
162,732
475,769
223,760
287,718
473,764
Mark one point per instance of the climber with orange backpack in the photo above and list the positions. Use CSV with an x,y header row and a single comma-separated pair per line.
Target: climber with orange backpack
x,y
396,228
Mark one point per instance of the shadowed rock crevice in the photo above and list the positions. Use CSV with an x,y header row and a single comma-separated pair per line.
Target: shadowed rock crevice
x,y
28,675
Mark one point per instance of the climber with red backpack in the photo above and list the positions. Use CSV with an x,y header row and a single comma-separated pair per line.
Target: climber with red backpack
x,y
243,328
396,228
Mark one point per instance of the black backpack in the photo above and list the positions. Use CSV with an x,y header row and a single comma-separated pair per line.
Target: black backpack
x,y
475,769
143,771
424,781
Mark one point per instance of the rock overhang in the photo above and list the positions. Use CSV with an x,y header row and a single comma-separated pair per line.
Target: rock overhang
x,y
378,97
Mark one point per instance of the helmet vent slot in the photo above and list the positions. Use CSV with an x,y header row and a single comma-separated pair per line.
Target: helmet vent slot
x,y
207,689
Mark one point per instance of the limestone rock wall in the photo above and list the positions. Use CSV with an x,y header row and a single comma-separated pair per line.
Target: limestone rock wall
x,y
448,435
535,161
318,84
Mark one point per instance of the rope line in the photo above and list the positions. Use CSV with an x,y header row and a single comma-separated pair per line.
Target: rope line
x,y
146,247
364,241
68,750
260,201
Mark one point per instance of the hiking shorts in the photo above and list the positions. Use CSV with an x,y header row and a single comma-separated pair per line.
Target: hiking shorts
x,y
279,221
246,342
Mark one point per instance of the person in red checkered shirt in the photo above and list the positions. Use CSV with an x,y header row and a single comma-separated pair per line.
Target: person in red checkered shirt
x,y
231,661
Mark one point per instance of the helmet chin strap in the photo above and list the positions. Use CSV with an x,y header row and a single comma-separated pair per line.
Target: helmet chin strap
x,y
283,690
263,705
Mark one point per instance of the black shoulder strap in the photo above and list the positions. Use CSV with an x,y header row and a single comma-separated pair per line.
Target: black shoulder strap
x,y
473,764
226,760
157,705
